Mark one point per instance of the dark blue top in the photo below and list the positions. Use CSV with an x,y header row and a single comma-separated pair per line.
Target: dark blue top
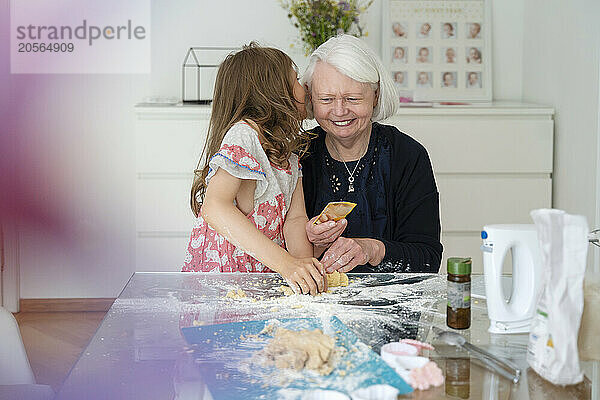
x,y
396,195
370,218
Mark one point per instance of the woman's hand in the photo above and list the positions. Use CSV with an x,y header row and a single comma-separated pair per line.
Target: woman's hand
x,y
305,275
325,233
345,254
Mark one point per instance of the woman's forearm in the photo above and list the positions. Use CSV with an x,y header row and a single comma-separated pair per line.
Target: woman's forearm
x,y
374,249
419,256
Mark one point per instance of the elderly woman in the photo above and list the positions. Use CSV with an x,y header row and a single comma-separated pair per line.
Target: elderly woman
x,y
395,226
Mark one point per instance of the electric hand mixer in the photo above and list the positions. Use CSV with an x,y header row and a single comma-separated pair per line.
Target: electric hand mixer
x,y
513,315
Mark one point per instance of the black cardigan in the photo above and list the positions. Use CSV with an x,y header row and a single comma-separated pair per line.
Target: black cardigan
x,y
412,229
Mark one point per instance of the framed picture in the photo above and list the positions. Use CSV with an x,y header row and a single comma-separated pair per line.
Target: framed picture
x,y
439,50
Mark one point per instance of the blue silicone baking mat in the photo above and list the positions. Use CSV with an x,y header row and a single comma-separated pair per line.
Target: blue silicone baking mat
x,y
224,354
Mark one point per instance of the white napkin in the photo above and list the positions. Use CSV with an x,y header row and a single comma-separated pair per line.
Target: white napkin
x,y
552,350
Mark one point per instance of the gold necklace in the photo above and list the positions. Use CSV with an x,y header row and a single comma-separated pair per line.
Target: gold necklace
x,y
350,174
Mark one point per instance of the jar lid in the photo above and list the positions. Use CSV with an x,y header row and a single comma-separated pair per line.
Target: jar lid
x,y
459,265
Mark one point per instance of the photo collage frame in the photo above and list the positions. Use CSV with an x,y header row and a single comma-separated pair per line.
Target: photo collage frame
x,y
438,50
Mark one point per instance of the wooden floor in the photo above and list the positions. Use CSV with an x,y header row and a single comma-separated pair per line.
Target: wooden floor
x,y
54,340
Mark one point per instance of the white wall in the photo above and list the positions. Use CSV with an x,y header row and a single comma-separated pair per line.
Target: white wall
x,y
507,49
561,68
81,127
238,22
596,250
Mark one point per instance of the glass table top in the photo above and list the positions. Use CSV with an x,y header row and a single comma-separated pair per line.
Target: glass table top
x,y
139,352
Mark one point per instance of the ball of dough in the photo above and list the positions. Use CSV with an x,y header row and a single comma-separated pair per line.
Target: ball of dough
x,y
333,279
343,279
337,279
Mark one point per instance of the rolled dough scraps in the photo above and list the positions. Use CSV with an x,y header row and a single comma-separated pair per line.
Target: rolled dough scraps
x,y
235,294
286,290
299,350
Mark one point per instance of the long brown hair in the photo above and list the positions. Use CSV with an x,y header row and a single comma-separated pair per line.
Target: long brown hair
x,y
253,84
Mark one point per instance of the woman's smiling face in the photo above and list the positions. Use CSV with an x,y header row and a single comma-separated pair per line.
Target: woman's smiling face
x,y
342,106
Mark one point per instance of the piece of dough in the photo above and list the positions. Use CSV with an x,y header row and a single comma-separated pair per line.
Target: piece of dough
x,y
286,290
235,294
343,279
337,279
334,279
336,210
300,349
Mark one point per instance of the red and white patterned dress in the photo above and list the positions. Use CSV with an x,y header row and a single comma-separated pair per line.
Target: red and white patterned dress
x,y
242,156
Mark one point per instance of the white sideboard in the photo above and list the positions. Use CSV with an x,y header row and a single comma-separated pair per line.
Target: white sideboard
x,y
493,164
169,140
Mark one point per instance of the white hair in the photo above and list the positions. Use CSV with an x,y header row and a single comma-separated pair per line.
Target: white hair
x,y
352,57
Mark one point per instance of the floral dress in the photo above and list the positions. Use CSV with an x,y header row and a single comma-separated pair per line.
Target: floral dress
x,y
242,156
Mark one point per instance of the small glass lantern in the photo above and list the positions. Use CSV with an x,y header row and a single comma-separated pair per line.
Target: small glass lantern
x,y
199,71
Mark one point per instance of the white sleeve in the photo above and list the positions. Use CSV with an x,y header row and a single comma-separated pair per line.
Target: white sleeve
x,y
241,155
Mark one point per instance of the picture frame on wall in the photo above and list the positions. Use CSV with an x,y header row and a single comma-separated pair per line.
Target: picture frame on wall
x,y
439,50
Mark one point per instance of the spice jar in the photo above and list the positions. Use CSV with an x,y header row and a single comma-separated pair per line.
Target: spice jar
x,y
458,378
458,310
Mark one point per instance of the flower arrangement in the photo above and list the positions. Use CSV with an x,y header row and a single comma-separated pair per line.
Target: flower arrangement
x,y
318,20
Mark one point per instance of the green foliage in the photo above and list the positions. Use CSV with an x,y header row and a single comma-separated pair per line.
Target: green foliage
x,y
318,20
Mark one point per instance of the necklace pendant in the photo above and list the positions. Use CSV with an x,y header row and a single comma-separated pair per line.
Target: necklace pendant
x,y
351,183
350,188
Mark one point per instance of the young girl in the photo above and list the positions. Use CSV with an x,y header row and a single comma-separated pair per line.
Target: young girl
x,y
248,198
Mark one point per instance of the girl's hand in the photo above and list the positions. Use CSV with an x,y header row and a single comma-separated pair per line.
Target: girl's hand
x,y
305,275
324,234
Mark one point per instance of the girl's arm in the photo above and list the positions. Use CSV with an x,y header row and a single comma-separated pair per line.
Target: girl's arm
x,y
222,215
294,230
